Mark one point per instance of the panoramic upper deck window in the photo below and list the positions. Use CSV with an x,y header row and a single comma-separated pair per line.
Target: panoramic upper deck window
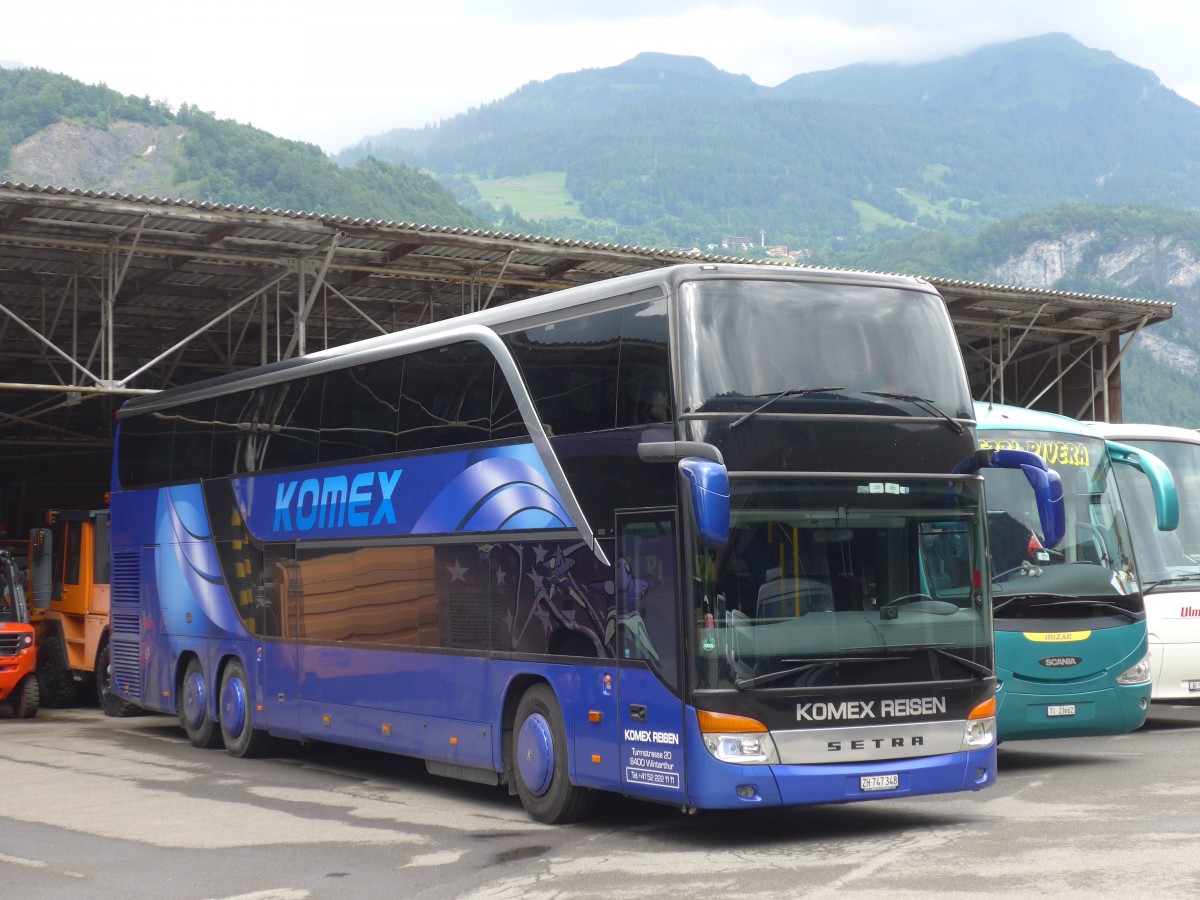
x,y
743,341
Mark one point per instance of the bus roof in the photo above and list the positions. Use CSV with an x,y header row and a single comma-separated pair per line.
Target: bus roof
x,y
999,415
665,279
1136,432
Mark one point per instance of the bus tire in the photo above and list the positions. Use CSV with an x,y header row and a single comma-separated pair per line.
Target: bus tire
x,y
539,761
27,698
56,684
109,702
192,708
241,738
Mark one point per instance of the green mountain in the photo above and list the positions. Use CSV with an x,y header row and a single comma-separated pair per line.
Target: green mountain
x,y
56,130
1040,163
667,150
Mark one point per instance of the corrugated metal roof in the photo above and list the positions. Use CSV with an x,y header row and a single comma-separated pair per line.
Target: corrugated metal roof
x,y
97,285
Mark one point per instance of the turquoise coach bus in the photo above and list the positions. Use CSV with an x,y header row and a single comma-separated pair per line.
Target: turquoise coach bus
x,y
1070,620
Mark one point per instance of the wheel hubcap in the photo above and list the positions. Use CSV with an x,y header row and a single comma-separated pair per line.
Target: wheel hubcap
x,y
233,707
535,754
193,700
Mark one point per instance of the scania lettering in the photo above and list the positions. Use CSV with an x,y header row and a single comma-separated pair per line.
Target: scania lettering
x,y
606,539
1070,618
1168,561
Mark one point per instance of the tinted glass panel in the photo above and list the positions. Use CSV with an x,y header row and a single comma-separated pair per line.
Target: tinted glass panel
x,y
236,446
746,341
193,441
446,398
644,391
359,411
289,417
145,449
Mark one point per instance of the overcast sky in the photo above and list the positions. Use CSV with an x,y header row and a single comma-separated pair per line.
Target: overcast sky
x,y
332,73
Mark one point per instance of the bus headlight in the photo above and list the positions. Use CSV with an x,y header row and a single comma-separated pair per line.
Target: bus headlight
x,y
737,739
981,726
1139,673
980,733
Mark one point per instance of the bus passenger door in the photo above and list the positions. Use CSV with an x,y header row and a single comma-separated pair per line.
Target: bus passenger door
x,y
648,651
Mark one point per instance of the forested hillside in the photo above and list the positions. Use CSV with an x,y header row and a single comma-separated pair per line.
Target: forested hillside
x,y
671,151
215,160
1040,163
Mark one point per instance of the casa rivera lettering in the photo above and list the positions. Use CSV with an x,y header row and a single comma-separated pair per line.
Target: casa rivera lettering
x,y
902,707
1060,662
336,501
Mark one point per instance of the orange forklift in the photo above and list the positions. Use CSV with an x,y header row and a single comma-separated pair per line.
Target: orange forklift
x,y
18,654
69,584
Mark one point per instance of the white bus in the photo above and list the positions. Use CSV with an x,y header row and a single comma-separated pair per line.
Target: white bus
x,y
1168,561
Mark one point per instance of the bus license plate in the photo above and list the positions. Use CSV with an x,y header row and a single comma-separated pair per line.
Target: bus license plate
x,y
1194,685
879,782
1068,710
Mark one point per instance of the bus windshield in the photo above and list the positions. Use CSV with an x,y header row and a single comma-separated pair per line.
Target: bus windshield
x,y
1167,560
745,341
844,581
1091,572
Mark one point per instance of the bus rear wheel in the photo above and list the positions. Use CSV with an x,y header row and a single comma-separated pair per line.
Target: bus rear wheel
x,y
192,707
109,702
242,739
539,761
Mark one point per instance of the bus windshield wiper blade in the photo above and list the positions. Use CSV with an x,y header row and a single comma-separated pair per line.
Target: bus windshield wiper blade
x,y
1042,596
1174,579
755,681
925,404
1095,604
789,392
981,670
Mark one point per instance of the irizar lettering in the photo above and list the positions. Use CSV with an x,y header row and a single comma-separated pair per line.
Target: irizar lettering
x,y
896,708
336,501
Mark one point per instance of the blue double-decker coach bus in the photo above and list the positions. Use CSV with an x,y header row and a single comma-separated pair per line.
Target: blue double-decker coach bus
x,y
702,536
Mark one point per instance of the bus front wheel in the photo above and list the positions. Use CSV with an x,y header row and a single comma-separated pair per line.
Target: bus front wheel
x,y
242,739
192,707
539,761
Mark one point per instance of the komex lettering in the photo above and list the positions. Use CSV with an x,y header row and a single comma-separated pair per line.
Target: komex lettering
x,y
856,710
336,501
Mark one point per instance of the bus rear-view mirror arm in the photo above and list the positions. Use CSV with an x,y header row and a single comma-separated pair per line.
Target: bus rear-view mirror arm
x,y
1162,482
1046,484
708,482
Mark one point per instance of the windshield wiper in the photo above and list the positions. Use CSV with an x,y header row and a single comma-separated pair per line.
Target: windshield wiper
x,y
742,683
1044,597
789,392
924,403
1095,604
978,668
1174,579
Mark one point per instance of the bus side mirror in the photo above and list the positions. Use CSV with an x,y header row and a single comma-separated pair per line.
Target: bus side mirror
x,y
1162,482
1046,484
709,483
